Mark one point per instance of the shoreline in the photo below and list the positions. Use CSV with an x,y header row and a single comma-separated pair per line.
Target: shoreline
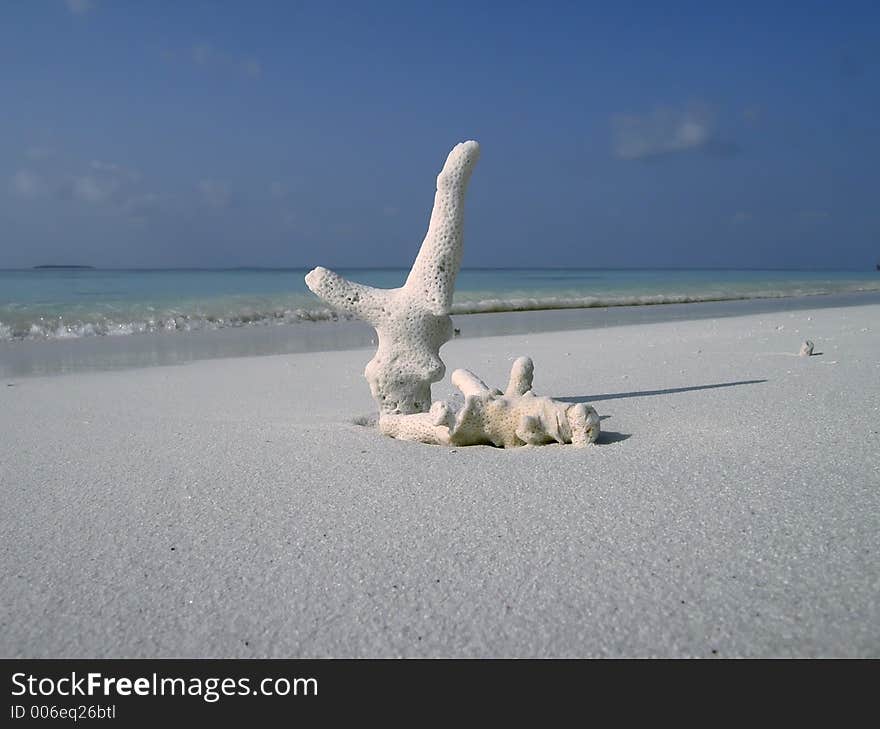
x,y
105,353
232,508
52,305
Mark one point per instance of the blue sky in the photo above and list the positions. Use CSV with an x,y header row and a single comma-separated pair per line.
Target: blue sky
x,y
292,134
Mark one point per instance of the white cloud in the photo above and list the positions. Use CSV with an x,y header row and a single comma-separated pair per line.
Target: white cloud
x,y
215,193
741,217
93,189
28,184
110,167
105,182
662,131
80,7
105,187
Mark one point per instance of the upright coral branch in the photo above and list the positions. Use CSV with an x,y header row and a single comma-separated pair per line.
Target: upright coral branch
x,y
432,277
521,375
412,322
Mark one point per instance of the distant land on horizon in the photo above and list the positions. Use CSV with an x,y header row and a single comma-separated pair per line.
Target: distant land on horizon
x,y
54,266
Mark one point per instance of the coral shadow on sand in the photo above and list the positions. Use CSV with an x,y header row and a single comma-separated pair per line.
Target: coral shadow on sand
x,y
606,437
647,393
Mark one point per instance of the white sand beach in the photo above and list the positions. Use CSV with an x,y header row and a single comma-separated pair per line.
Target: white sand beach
x,y
232,508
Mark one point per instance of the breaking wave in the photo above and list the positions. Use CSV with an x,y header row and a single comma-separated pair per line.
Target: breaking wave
x,y
62,327
484,306
18,325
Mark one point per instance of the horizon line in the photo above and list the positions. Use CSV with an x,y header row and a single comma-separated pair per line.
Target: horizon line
x,y
90,268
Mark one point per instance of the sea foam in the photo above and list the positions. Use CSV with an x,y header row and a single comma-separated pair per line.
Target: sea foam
x,y
35,326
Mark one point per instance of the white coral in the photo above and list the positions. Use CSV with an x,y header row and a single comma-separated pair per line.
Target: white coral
x,y
412,322
507,419
432,427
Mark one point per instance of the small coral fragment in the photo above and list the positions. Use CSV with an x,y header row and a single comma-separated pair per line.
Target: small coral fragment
x,y
513,418
431,427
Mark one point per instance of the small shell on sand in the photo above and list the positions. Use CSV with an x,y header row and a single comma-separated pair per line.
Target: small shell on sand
x,y
806,348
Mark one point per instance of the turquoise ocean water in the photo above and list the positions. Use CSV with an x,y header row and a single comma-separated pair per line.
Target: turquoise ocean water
x,y
61,304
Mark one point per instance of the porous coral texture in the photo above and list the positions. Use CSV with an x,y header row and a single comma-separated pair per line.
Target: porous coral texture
x,y
508,419
517,416
412,322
